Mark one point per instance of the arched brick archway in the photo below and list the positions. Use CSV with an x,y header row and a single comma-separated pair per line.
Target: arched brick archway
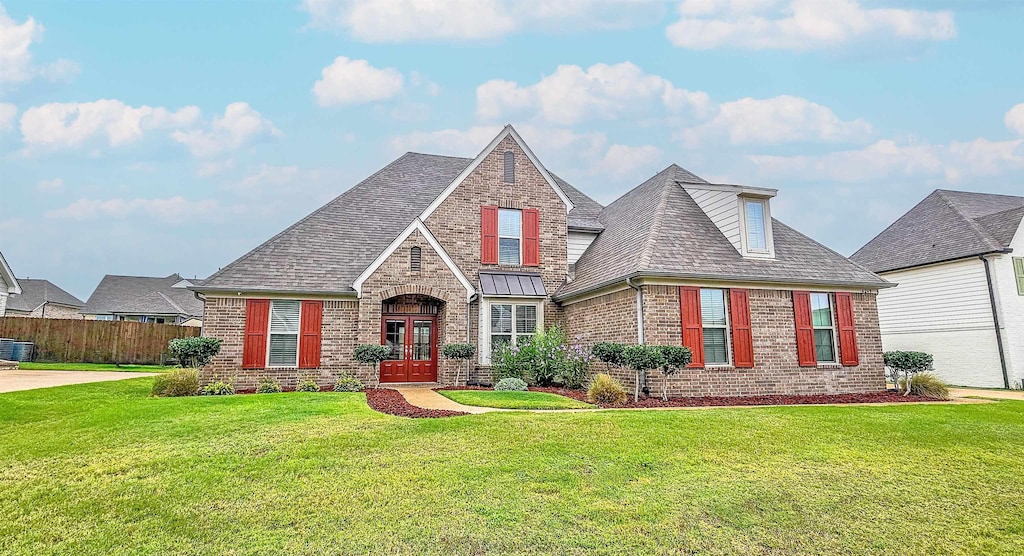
x,y
412,289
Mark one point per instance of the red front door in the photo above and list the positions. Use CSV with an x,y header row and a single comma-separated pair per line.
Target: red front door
x,y
413,343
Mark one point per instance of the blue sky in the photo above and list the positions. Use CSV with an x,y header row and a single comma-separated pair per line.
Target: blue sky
x,y
156,137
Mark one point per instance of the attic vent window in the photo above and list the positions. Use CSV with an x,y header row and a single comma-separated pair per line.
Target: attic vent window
x,y
510,167
415,259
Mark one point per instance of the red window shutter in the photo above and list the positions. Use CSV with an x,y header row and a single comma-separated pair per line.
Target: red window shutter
x,y
847,330
693,330
488,235
531,237
804,330
309,334
742,337
254,348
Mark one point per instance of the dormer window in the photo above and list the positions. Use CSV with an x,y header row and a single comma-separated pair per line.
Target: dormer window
x,y
756,227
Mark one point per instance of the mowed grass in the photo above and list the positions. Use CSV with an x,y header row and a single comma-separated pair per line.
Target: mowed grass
x,y
513,400
104,469
33,366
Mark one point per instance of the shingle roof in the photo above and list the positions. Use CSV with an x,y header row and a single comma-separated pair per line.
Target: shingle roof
x,y
35,292
142,295
946,225
658,230
326,251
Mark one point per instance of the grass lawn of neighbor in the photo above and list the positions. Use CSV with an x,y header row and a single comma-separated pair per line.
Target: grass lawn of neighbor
x,y
32,366
513,400
103,468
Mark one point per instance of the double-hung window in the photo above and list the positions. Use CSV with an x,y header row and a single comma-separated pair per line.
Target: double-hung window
x,y
754,217
510,236
509,322
824,328
284,333
715,325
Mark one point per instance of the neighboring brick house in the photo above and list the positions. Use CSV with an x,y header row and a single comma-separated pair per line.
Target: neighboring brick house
x,y
433,250
42,299
158,300
958,258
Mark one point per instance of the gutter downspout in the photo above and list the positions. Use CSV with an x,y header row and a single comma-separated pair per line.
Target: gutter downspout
x,y
202,298
469,332
639,327
995,319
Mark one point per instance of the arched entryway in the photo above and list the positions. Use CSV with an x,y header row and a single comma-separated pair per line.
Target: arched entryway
x,y
410,326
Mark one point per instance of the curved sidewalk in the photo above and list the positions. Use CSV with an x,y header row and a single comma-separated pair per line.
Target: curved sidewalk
x,y
424,397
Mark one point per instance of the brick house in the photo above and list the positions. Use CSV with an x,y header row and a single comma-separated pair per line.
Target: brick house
x,y
433,250
42,299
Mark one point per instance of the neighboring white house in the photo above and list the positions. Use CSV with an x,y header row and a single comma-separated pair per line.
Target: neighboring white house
x,y
958,259
8,284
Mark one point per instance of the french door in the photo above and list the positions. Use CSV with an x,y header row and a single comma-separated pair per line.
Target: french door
x,y
413,343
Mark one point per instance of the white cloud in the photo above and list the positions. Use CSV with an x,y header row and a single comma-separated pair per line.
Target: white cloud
x,y
16,53
8,112
71,124
215,167
170,210
800,24
1014,119
50,186
782,119
888,159
460,20
572,94
239,125
348,81
624,161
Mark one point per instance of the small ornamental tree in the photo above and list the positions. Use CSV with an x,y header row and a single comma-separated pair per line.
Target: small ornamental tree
x,y
193,353
642,358
674,358
906,364
609,352
459,352
372,355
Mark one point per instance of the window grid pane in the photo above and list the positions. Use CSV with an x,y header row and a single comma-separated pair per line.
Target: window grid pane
x,y
824,346
284,350
821,310
501,319
284,317
526,319
508,251
755,226
715,351
510,223
712,307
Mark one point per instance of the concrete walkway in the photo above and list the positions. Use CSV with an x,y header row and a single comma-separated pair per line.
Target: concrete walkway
x,y
986,393
14,380
424,397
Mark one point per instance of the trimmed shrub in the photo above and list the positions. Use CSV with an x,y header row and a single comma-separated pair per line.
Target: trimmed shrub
x,y
193,352
511,384
609,352
177,382
348,384
459,352
674,358
642,358
605,390
903,365
927,385
371,354
219,388
307,385
268,386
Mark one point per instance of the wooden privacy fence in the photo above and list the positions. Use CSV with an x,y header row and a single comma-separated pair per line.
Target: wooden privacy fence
x,y
94,341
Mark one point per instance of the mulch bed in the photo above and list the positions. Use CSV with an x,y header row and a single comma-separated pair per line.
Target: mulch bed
x,y
392,402
711,401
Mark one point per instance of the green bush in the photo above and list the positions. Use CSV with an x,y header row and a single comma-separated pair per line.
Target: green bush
x,y
268,386
674,358
505,363
903,365
348,383
927,385
372,354
576,370
642,358
219,388
511,384
605,390
193,352
543,359
459,351
609,352
177,382
307,385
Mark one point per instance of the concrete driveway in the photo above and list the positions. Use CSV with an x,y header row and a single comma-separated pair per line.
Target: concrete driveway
x,y
12,381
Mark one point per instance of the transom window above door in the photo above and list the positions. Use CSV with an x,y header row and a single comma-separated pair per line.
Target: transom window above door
x,y
510,236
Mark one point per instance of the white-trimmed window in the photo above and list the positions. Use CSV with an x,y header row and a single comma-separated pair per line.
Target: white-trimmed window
x,y
506,321
715,322
510,236
755,219
823,320
283,349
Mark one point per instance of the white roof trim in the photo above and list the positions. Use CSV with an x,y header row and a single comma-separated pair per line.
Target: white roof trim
x,y
748,190
8,275
508,130
417,224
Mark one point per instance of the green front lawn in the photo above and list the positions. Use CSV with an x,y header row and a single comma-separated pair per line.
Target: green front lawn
x,y
31,366
512,400
102,468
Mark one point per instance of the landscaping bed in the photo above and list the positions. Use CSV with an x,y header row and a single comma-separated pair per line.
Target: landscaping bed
x,y
392,402
712,401
513,399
